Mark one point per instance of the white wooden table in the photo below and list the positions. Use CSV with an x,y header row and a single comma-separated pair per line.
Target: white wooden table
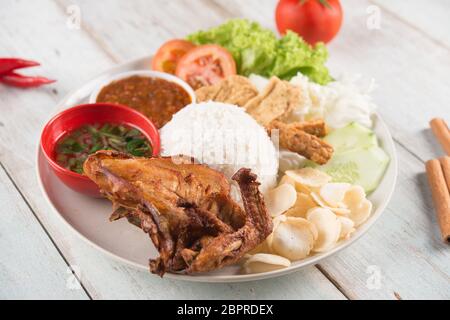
x,y
401,257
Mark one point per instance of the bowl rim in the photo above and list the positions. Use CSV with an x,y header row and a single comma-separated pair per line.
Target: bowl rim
x,y
143,73
156,143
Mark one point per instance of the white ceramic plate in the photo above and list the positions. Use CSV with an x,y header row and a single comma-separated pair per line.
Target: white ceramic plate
x,y
88,217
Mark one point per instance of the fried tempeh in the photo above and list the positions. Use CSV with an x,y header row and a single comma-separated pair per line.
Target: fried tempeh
x,y
315,127
303,143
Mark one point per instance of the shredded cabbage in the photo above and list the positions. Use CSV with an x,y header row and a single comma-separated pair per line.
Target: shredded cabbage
x,y
345,100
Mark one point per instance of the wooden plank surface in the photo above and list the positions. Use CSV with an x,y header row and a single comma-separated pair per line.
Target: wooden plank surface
x,y
30,265
429,18
402,255
75,55
378,48
403,247
398,57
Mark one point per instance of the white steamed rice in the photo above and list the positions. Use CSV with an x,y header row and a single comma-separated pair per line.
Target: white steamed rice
x,y
225,137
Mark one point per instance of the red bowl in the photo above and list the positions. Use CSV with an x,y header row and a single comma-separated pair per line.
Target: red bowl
x,y
73,118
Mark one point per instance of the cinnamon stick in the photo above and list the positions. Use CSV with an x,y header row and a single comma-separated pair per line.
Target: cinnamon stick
x,y
445,164
442,133
441,196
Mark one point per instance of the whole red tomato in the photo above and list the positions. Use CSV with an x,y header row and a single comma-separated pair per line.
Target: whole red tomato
x,y
314,20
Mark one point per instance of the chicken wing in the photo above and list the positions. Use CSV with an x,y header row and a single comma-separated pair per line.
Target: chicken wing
x,y
185,207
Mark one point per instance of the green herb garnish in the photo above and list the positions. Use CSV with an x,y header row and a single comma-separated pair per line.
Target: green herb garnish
x,y
73,149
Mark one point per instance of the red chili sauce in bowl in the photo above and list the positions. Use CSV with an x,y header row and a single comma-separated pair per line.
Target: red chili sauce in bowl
x,y
158,99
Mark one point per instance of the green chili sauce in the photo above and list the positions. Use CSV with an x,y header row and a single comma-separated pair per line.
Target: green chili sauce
x,y
74,148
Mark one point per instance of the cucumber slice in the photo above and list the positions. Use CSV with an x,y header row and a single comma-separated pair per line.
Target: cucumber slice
x,y
361,166
351,137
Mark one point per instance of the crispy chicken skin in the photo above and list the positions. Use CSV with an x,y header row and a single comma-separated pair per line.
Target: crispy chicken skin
x,y
185,208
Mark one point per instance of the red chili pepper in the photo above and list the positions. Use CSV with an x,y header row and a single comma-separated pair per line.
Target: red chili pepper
x,y
10,77
18,80
9,64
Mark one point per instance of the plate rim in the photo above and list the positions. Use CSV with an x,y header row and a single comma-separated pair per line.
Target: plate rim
x,y
362,230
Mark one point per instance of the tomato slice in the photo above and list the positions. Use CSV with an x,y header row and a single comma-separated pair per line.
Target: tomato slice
x,y
205,65
168,55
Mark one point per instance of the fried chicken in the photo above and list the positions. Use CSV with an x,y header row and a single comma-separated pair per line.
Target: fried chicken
x,y
185,208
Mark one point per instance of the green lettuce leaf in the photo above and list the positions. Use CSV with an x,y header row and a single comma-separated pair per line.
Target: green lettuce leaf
x,y
253,48
295,55
257,50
